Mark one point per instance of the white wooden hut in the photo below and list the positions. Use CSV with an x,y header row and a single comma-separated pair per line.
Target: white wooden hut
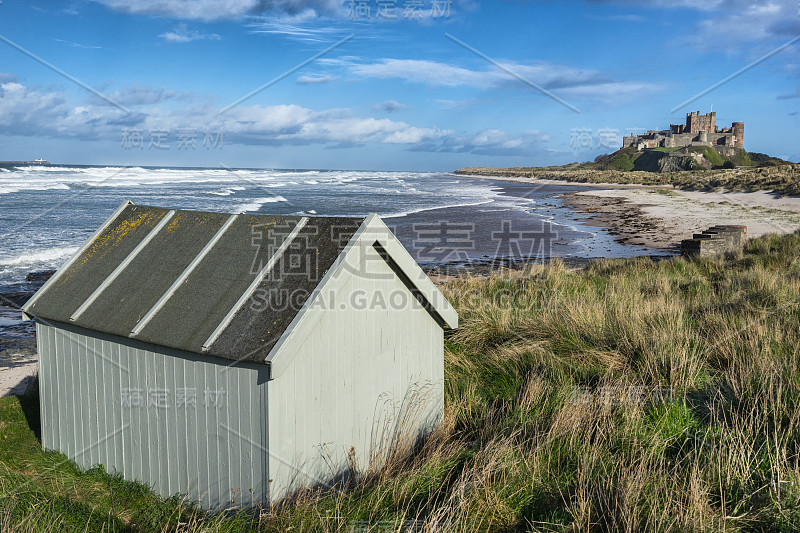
x,y
237,358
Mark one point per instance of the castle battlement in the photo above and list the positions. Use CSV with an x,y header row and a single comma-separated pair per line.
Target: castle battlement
x,y
699,130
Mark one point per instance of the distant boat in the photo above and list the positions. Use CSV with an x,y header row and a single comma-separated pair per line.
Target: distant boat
x,y
36,162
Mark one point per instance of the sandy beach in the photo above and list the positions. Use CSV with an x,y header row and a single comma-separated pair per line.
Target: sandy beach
x,y
18,361
661,216
654,217
17,372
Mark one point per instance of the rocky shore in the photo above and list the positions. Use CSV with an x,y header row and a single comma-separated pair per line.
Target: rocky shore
x,y
18,337
659,215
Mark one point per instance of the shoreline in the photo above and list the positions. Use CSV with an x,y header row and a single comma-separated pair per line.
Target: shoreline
x,y
654,217
660,216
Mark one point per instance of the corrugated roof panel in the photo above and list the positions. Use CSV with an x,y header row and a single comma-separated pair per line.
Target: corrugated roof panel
x,y
97,262
126,300
195,310
260,322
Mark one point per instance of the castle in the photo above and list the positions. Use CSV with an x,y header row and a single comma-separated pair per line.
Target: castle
x,y
699,130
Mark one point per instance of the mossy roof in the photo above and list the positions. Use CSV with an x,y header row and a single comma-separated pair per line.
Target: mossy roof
x,y
196,281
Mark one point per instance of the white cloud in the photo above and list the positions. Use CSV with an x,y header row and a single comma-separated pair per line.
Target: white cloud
x,y
745,22
458,104
490,142
33,113
561,79
611,91
423,71
414,135
30,112
219,9
299,26
181,34
185,9
733,25
701,5
138,95
315,80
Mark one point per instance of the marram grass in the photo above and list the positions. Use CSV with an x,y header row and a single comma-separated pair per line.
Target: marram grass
x,y
627,396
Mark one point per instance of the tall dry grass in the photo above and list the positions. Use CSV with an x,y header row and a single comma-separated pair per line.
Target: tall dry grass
x,y
627,396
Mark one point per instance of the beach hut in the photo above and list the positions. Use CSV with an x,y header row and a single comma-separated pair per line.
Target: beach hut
x,y
236,359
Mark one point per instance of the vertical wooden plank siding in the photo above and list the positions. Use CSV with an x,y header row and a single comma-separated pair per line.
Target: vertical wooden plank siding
x,y
370,364
112,401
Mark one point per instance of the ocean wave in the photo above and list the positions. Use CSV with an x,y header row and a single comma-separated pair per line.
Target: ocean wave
x,y
35,258
434,208
255,204
15,186
226,192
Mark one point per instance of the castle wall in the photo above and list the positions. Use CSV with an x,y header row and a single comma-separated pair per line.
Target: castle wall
x,y
700,130
695,122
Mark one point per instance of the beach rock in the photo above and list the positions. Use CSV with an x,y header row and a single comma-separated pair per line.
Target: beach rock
x,y
15,299
679,163
40,275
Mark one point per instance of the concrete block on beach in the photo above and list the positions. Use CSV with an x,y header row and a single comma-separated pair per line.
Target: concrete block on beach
x,y
715,240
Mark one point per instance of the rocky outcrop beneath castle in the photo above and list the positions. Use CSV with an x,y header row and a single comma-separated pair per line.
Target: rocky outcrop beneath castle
x,y
664,162
678,164
673,159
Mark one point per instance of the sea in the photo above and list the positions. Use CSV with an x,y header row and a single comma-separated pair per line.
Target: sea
x,y
47,212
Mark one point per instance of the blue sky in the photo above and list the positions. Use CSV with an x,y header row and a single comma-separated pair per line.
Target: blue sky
x,y
402,85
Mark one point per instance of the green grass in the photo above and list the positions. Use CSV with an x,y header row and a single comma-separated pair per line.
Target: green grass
x,y
631,395
782,179
714,157
741,159
620,162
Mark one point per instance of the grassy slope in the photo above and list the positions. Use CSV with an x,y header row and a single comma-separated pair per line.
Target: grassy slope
x,y
630,395
783,179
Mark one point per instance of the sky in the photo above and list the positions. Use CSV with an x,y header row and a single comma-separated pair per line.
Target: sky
x,y
417,85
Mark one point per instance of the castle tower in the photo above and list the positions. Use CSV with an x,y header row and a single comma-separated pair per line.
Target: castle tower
x,y
710,122
738,132
692,125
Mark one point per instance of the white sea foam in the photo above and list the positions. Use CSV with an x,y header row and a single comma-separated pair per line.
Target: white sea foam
x,y
39,257
226,192
12,187
256,203
434,208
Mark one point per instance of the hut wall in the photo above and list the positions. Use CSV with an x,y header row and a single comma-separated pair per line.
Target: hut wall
x,y
179,422
366,368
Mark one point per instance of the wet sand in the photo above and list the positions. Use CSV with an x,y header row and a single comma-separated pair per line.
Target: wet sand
x,y
541,220
18,360
659,217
